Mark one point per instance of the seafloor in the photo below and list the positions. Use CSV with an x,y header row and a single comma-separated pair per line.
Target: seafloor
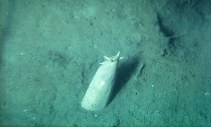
x,y
51,49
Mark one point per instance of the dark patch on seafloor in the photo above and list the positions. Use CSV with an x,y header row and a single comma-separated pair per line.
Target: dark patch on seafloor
x,y
4,35
124,73
168,33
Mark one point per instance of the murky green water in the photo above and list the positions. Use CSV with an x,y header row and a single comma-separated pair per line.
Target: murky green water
x,y
51,49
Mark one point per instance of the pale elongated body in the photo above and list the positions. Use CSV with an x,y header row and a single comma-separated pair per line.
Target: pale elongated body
x,y
99,90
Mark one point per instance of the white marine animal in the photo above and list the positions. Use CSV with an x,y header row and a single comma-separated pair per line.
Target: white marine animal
x,y
98,93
